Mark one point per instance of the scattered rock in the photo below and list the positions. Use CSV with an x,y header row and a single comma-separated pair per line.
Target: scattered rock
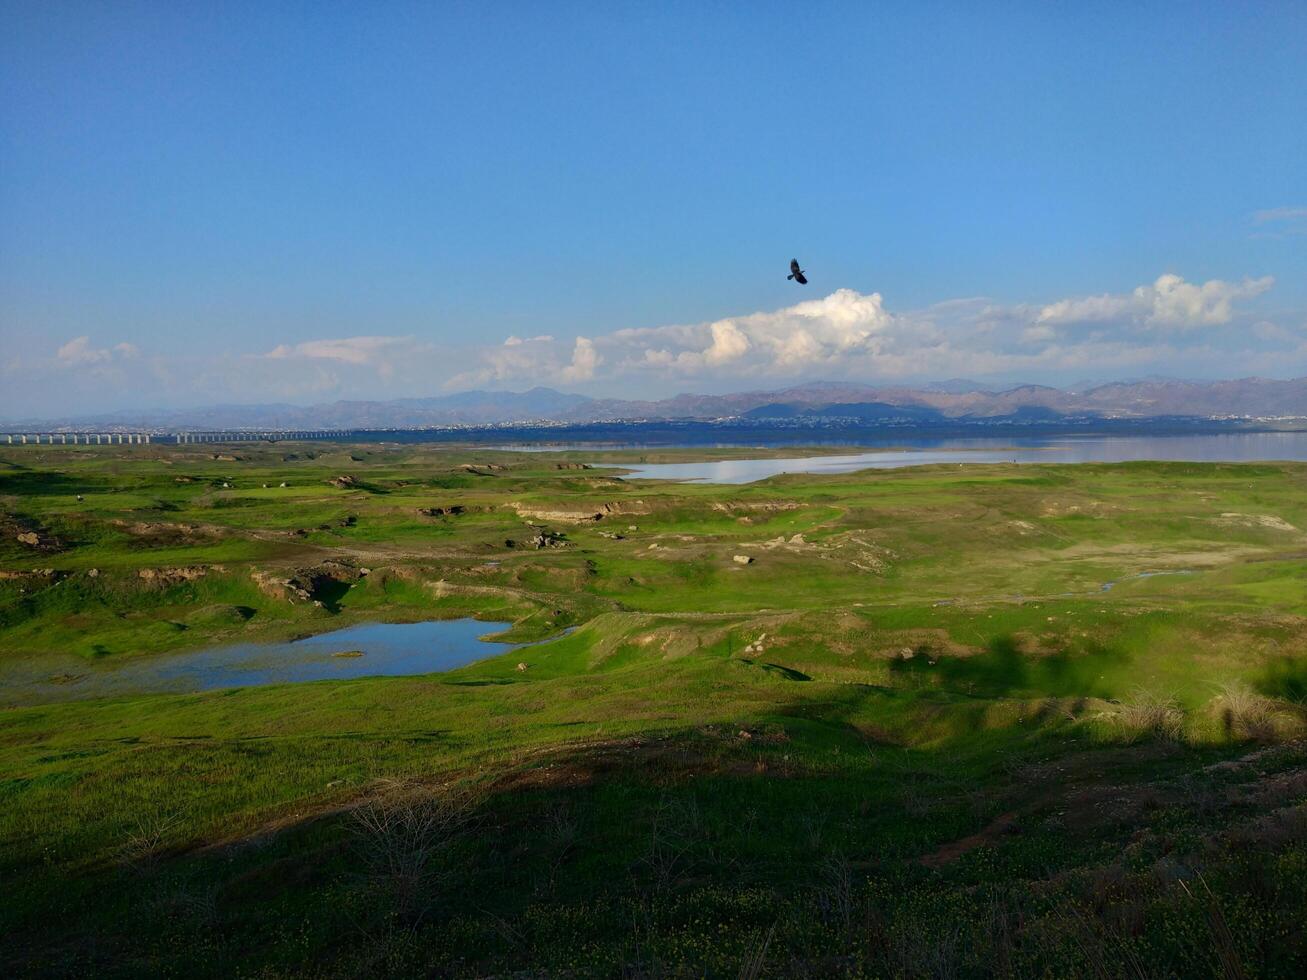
x,y
743,560
521,667
545,538
344,482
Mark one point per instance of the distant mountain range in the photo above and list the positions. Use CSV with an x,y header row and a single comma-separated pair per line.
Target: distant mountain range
x,y
957,400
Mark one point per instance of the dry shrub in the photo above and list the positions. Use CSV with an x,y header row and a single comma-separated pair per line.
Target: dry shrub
x,y
937,951
404,834
1146,715
675,830
147,842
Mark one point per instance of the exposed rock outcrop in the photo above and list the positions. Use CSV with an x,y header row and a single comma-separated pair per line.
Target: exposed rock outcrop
x,y
46,574
756,506
28,534
175,576
580,513
306,584
280,587
543,538
453,510
166,532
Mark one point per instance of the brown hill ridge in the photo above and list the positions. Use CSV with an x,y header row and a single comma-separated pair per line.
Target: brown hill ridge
x,y
955,399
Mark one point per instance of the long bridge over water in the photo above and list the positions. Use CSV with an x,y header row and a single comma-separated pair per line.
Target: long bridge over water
x,y
176,438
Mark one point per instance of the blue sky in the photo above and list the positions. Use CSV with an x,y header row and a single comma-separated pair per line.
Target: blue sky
x,y
262,202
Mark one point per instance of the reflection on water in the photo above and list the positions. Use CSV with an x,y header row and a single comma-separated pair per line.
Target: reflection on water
x,y
368,650
1239,447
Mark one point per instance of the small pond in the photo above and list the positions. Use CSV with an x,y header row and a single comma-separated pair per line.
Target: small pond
x,y
366,650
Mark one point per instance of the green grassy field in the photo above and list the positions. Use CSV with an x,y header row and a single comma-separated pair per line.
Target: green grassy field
x,y
948,721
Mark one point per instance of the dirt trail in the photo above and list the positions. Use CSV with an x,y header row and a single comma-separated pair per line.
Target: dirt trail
x,y
955,849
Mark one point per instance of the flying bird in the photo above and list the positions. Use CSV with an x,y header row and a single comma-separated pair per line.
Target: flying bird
x,y
796,273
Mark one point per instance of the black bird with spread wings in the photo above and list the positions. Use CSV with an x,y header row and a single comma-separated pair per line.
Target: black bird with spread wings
x,y
796,273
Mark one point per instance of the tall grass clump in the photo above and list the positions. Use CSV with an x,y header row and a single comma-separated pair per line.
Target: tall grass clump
x,y
1245,715
1145,715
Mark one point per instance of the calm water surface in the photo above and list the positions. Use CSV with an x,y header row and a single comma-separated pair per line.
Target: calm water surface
x,y
388,649
1242,447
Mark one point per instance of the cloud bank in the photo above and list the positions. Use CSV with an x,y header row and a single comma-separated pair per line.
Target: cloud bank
x,y
1169,325
849,334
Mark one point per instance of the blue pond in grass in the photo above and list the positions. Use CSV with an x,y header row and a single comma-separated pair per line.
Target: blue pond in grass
x,y
367,650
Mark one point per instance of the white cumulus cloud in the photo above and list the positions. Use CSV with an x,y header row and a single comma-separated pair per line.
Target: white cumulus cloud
x,y
1168,302
584,361
810,333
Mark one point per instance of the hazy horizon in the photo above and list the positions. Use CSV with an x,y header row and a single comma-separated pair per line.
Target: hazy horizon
x,y
1248,396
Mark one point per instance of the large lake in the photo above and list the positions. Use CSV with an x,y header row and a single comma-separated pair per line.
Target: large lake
x,y
1243,447
370,650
